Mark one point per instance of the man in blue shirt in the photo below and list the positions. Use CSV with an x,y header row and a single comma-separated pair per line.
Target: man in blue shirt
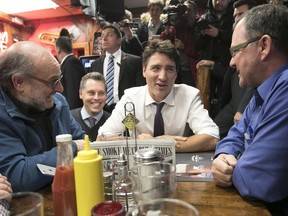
x,y
254,155
33,112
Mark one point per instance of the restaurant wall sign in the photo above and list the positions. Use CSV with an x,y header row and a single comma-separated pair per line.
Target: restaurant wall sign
x,y
3,41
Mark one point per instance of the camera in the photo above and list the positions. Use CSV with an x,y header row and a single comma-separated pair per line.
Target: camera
x,y
202,24
175,12
206,20
124,24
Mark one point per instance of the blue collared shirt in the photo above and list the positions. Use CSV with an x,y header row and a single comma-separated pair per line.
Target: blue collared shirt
x,y
261,137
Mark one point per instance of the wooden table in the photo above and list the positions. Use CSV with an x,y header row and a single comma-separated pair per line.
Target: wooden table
x,y
208,198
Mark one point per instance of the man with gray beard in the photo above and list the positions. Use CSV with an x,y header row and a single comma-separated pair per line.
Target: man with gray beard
x,y
33,112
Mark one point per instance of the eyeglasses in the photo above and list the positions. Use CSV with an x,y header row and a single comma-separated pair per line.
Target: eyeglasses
x,y
51,85
235,49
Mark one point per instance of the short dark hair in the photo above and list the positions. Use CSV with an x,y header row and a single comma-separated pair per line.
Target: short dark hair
x,y
269,19
115,28
64,32
94,76
64,43
239,3
163,47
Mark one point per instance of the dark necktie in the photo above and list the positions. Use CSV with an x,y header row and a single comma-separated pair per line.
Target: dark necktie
x,y
110,81
91,121
158,120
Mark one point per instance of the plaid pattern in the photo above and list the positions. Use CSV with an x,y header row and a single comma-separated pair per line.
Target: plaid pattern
x,y
4,205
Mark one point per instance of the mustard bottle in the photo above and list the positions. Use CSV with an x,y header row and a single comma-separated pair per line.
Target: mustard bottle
x,y
89,184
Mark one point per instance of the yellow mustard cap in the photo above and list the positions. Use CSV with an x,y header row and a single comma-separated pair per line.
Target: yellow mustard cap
x,y
87,153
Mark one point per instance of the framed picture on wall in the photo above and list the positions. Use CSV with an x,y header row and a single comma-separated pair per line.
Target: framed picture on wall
x,y
96,44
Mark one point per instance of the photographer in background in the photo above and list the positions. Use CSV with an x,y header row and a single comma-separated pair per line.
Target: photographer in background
x,y
130,41
186,34
213,45
180,30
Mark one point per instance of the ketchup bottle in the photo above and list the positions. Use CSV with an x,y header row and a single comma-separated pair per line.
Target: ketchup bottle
x,y
63,186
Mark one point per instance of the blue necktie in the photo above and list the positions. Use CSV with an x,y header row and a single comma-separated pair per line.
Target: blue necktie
x,y
110,81
158,120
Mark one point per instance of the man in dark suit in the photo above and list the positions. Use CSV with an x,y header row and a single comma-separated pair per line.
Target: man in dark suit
x,y
127,68
72,71
93,93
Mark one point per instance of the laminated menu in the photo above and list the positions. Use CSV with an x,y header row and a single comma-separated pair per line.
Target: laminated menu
x,y
194,166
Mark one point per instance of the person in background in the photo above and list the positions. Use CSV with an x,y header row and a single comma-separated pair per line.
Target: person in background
x,y
180,31
253,156
201,7
154,25
174,101
130,42
234,98
213,46
240,8
126,67
5,195
186,33
72,71
93,92
33,112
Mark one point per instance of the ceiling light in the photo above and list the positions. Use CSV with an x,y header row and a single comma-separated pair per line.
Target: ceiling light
x,y
19,6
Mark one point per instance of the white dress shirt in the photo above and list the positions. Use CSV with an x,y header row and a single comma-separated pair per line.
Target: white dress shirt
x,y
117,62
71,54
182,105
152,30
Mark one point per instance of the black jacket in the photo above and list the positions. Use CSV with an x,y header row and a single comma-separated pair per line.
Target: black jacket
x,y
217,48
130,71
73,71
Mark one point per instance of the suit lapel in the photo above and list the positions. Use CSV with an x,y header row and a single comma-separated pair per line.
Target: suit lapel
x,y
101,68
122,65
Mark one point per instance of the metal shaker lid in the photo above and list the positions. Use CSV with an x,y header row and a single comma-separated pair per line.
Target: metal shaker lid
x,y
121,160
148,155
108,176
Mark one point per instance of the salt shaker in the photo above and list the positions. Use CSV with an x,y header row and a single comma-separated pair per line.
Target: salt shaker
x,y
122,187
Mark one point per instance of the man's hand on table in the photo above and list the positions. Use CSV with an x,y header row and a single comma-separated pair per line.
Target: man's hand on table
x,y
222,169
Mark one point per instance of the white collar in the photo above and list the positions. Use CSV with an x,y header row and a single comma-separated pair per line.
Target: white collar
x,y
66,58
